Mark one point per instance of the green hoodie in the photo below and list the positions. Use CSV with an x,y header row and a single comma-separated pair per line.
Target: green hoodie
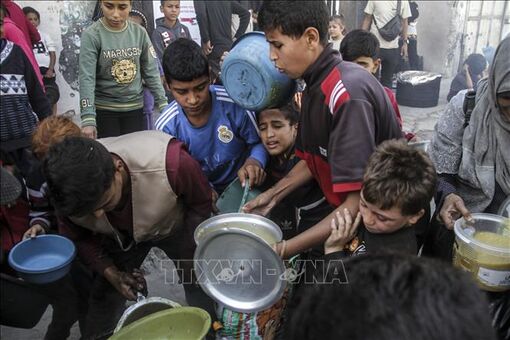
x,y
112,66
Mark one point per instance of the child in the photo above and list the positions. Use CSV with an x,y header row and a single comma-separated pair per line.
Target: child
x,y
307,206
23,102
148,99
398,184
336,30
46,57
471,73
115,55
333,143
219,134
169,28
362,47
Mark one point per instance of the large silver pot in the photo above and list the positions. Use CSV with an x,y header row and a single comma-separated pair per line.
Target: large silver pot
x,y
235,264
260,226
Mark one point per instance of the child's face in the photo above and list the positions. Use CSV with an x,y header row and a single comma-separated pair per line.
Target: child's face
x,y
335,29
368,63
193,96
379,221
289,54
116,12
34,20
171,10
112,197
276,132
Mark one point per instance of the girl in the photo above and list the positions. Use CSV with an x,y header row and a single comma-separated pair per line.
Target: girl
x,y
336,30
115,55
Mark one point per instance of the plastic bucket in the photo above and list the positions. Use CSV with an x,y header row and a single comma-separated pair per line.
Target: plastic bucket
x,y
183,323
483,249
230,200
250,77
43,259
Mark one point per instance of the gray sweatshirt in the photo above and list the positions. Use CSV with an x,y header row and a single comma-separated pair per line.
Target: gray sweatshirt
x,y
164,35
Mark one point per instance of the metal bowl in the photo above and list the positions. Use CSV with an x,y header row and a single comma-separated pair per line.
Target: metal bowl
x,y
257,225
239,270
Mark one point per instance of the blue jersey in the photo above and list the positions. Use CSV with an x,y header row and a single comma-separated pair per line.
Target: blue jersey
x,y
223,144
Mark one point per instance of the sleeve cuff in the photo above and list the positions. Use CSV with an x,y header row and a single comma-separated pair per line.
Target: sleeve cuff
x,y
88,120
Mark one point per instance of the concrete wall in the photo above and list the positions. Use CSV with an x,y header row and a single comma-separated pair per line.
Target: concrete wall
x,y
440,28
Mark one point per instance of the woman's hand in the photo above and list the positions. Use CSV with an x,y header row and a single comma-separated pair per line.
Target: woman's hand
x,y
453,208
343,231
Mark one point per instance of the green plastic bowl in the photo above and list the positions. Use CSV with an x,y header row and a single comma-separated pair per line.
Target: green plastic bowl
x,y
183,323
230,199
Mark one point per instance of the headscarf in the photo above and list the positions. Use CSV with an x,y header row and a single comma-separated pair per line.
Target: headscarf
x,y
486,140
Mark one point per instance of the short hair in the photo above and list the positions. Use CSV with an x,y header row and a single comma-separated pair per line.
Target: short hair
x,y
28,9
293,17
78,171
337,18
391,296
477,63
398,175
52,130
163,2
359,43
289,112
184,60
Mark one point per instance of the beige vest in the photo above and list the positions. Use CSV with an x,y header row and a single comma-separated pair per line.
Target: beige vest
x,y
156,210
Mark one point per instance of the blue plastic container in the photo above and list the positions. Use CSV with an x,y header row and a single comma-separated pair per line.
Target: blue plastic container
x,y
251,78
43,259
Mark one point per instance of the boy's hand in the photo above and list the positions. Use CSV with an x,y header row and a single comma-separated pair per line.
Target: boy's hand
x,y
252,171
343,231
262,204
453,208
89,131
35,230
126,284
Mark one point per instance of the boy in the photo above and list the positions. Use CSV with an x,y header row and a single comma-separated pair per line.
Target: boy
x,y
220,135
362,47
46,57
169,28
345,114
398,184
336,30
126,195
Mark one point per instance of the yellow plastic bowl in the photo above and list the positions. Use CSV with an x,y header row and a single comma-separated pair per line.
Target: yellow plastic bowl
x,y
183,323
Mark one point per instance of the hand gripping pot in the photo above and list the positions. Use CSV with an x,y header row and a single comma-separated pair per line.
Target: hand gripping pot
x,y
251,78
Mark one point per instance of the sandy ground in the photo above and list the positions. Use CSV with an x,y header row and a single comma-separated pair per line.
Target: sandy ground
x,y
157,266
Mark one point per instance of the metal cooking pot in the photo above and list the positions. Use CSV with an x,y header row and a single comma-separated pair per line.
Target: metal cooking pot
x,y
257,225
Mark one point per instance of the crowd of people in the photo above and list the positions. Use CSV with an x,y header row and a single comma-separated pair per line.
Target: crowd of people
x,y
160,139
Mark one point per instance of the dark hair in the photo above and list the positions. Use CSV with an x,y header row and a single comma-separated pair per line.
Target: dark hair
x,y
505,95
78,171
293,17
477,63
163,2
184,60
390,296
398,175
359,43
28,9
289,111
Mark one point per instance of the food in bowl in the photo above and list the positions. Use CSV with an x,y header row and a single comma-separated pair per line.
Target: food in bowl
x,y
483,249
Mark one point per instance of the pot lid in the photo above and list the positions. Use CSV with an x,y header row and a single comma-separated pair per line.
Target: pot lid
x,y
239,270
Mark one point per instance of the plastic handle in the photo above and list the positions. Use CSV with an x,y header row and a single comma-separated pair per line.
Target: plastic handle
x,y
245,196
